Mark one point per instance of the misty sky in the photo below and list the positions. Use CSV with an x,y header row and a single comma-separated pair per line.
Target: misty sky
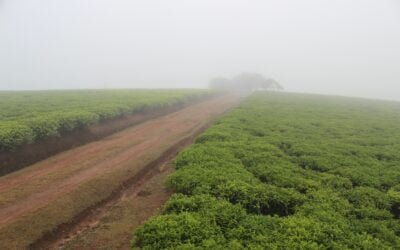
x,y
345,47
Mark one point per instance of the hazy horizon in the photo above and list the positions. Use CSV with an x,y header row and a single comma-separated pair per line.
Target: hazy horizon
x,y
347,48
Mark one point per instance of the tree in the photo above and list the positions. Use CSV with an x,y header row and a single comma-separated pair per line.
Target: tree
x,y
245,82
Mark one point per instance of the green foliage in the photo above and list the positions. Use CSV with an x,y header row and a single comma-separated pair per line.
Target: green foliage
x,y
27,116
287,171
13,133
176,229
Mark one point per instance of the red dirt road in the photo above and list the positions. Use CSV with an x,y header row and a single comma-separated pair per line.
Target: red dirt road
x,y
27,195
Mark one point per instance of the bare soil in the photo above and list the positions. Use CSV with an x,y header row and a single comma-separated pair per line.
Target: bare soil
x,y
45,203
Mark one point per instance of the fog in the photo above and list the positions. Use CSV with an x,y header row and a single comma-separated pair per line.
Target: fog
x,y
342,47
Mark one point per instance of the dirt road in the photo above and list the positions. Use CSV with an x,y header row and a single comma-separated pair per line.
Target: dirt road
x,y
52,195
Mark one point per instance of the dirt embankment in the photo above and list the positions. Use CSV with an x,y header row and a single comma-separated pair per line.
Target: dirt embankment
x,y
42,199
31,153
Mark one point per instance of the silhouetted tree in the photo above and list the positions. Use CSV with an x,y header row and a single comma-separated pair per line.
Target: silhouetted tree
x,y
245,82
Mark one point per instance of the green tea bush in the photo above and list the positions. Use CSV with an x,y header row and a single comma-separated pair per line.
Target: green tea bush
x,y
13,133
168,231
287,171
27,116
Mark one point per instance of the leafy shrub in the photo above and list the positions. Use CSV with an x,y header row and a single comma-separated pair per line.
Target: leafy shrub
x,y
33,115
169,231
12,133
288,171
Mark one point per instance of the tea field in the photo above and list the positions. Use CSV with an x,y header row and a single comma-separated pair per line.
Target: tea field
x,y
287,171
26,116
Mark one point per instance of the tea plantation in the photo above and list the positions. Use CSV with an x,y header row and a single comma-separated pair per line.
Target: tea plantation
x,y
27,116
287,171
